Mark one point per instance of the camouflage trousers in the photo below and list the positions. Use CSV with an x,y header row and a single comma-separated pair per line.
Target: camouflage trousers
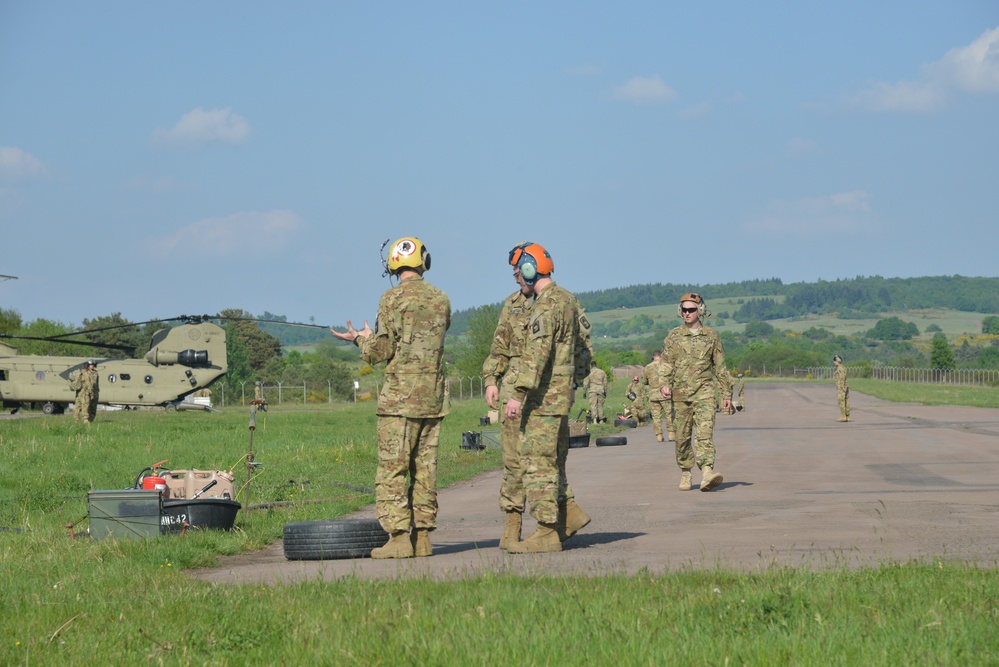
x,y
694,418
596,406
407,446
85,406
844,402
513,491
544,450
661,410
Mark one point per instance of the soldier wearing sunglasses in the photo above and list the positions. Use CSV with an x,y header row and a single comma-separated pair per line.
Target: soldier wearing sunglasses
x,y
692,361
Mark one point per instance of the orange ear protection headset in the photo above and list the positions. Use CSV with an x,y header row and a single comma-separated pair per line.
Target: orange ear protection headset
x,y
532,261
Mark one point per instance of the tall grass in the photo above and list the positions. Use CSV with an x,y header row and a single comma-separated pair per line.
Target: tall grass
x,y
130,602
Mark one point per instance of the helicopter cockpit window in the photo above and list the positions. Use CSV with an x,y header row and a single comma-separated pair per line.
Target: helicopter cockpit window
x,y
148,379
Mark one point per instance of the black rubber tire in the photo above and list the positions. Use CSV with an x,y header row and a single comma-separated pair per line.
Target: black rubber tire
x,y
49,408
630,423
612,441
331,540
579,441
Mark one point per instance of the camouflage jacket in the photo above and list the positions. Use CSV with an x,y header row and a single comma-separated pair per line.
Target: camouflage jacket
x,y
635,387
409,333
652,381
556,355
596,382
89,384
508,344
840,376
691,363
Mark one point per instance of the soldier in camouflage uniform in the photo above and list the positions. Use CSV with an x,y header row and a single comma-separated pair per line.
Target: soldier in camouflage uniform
x,y
86,384
409,333
595,388
636,395
740,389
556,355
659,407
499,372
842,391
693,360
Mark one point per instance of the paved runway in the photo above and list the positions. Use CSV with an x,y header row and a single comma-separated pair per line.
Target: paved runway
x,y
899,482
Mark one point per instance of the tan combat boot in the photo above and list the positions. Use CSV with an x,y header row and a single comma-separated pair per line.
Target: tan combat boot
x,y
843,419
511,531
575,518
659,437
398,546
421,543
709,479
685,480
671,436
544,540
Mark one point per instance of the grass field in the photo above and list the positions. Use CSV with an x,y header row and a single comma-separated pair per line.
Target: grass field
x,y
130,602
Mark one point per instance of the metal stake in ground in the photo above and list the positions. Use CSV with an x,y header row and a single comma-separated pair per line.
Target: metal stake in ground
x,y
250,463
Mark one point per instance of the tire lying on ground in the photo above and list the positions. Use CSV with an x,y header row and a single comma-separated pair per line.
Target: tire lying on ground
x,y
630,423
330,540
612,441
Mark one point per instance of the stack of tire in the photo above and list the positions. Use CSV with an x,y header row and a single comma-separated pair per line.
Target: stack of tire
x,y
330,540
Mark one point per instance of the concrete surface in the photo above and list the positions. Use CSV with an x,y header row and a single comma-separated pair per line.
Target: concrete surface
x,y
899,482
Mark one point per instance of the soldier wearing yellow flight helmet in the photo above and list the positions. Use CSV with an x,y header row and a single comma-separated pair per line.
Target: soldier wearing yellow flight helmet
x,y
413,317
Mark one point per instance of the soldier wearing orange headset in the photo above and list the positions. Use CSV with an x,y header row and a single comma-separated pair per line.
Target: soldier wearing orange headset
x,y
555,357
692,361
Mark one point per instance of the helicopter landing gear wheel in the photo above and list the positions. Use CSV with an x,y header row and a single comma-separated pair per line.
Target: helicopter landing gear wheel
x,y
49,408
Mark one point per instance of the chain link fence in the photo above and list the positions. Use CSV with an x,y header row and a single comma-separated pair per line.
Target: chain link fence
x,y
304,393
465,387
960,376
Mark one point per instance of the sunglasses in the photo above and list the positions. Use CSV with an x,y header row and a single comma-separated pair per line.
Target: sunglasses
x,y
689,310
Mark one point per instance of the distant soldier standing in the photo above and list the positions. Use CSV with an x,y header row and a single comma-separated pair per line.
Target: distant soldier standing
x,y
413,317
595,388
555,356
88,391
659,406
842,390
740,388
636,395
693,360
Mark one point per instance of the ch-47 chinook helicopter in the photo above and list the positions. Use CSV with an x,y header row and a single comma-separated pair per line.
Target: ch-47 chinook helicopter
x,y
181,360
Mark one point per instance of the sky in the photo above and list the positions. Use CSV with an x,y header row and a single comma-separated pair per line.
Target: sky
x,y
159,159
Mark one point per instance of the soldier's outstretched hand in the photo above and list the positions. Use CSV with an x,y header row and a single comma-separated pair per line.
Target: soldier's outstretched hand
x,y
351,332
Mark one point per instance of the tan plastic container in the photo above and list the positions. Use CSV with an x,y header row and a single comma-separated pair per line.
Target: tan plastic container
x,y
187,483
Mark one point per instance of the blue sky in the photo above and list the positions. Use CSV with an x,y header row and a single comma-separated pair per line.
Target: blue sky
x,y
159,159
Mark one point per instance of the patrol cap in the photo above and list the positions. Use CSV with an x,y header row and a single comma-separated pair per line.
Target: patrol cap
x,y
838,358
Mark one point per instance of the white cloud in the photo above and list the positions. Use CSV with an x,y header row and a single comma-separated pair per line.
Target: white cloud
x,y
968,69
200,127
973,68
643,90
697,111
17,164
584,70
901,96
248,233
842,213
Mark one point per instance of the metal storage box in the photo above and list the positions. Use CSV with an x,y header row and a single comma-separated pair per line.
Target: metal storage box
x,y
130,514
